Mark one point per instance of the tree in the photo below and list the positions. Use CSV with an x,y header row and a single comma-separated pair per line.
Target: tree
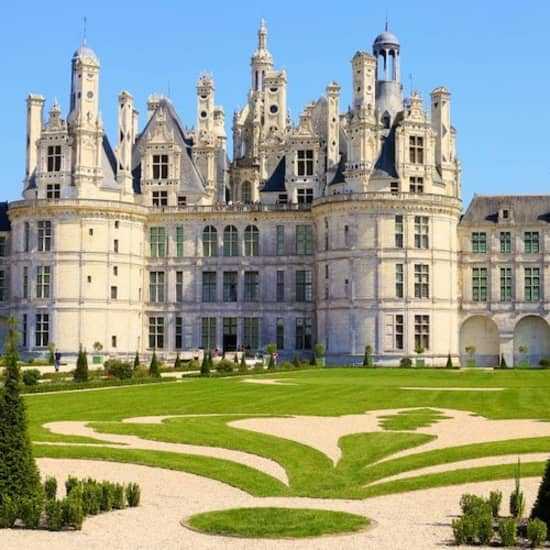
x,y
367,359
19,474
503,364
136,361
81,371
154,367
243,366
296,361
449,364
51,356
177,362
541,508
205,368
272,350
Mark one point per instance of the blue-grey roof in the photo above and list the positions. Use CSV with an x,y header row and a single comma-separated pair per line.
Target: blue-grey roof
x,y
5,224
85,50
109,153
385,164
276,182
386,38
524,209
339,174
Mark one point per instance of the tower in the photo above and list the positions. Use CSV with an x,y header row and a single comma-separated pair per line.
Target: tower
x,y
333,123
126,136
261,61
205,104
35,107
364,74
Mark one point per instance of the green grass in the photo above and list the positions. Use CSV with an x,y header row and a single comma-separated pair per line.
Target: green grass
x,y
412,419
277,522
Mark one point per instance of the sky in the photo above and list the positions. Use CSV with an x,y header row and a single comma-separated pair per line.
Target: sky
x,y
492,55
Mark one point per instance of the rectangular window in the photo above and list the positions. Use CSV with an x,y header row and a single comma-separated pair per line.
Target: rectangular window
x,y
2,285
157,241
304,196
422,331
479,242
399,331
280,333
25,282
282,199
156,332
505,242
43,281
160,167
532,284
229,286
280,286
303,333
208,333
398,231
42,330
182,200
416,184
179,241
251,286
479,284
421,281
115,246
53,191
25,330
114,293
505,284
304,240
115,270
113,341
160,198
394,187
156,286
251,333
179,287
421,232
280,240
179,333
209,287
27,237
305,163
44,236
416,149
531,242
304,286
54,158
399,280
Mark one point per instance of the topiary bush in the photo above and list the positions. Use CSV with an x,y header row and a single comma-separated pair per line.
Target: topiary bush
x,y
136,360
476,525
119,496
177,362
545,362
133,494
73,514
81,371
405,362
30,510
449,364
9,508
70,484
224,366
541,508
154,366
507,529
119,369
106,503
495,500
205,366
536,532
54,515
50,488
31,377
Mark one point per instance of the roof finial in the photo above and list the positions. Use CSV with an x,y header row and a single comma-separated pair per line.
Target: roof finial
x,y
386,26
84,31
262,35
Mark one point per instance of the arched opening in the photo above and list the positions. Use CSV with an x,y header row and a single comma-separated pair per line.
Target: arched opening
x,y
210,241
531,340
479,335
230,241
386,120
251,241
246,192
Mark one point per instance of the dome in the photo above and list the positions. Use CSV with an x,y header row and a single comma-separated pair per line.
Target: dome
x,y
386,38
85,51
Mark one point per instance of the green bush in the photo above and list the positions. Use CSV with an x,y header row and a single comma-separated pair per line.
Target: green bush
x,y
177,362
541,508
476,525
30,509
91,497
449,364
106,504
545,362
517,503
31,377
367,358
50,488
464,530
136,360
205,366
469,502
224,365
73,514
495,500
119,496
285,365
405,362
54,515
536,532
81,371
507,529
133,494
119,369
296,362
8,511
70,484
503,364
154,366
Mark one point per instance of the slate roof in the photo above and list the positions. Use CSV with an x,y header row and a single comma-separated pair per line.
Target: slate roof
x,y
276,182
5,224
385,164
339,174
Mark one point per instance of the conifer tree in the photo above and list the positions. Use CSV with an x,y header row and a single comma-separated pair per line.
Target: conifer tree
x,y
177,362
243,362
154,369
205,369
81,371
541,508
449,364
136,361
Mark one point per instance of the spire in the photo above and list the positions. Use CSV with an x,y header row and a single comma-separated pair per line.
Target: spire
x,y
262,35
84,32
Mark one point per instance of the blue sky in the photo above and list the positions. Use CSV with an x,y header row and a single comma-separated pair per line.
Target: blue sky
x,y
493,56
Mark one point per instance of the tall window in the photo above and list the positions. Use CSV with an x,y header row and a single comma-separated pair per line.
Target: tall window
x,y
479,242
160,198
399,331
210,241
505,284
42,330
304,286
54,158
53,191
305,163
26,237
208,333
25,282
251,241
304,240
421,281
479,284
2,285
115,245
229,286
422,331
304,195
303,333
24,330
416,149
398,231
280,286
251,286
505,242
156,286
156,332
114,293
179,241
209,286
280,240
157,240
246,192
179,286
421,232
251,332
280,340
399,280
531,242
43,281
179,333
532,284
230,241
160,167
416,184
44,236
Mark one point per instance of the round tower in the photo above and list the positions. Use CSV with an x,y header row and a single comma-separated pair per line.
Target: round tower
x,y
261,61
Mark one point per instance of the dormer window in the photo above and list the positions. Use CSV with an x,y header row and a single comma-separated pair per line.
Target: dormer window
x,y
305,196
182,200
160,198
160,167
53,191
305,163
416,149
54,158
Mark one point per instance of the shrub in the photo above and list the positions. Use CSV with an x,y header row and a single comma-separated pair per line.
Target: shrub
x,y
545,362
495,499
224,366
31,377
469,503
541,508
70,484
119,369
503,364
106,503
517,504
476,525
141,371
73,514
205,366
54,515
296,362
286,365
177,362
449,364
8,511
154,366
30,509
367,359
193,365
536,532
405,362
507,531
464,530
271,364
51,356
136,360
81,371
243,366
119,496
133,494
91,497
50,488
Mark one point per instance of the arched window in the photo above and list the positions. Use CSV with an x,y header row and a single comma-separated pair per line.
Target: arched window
x,y
386,120
246,192
210,241
230,241
251,241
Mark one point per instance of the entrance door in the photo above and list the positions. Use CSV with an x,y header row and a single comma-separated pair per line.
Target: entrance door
x,y
229,334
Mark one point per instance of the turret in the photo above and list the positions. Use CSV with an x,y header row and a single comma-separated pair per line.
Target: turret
x,y
205,103
364,73
441,123
35,107
275,101
333,125
261,61
126,135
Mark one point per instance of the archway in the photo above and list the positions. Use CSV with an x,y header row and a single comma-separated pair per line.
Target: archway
x,y
533,334
481,333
